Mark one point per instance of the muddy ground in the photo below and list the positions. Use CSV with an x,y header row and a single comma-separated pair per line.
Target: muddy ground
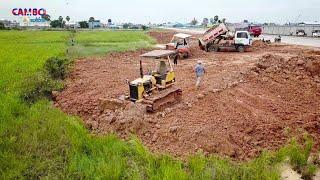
x,y
247,102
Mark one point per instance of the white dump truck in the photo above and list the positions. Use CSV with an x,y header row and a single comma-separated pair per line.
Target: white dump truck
x,y
221,38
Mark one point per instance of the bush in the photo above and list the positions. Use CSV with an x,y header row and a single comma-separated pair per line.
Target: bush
x,y
39,86
144,27
298,155
57,68
2,26
125,26
309,171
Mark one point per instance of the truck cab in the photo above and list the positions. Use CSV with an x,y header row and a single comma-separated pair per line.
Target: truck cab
x,y
255,30
316,33
243,38
300,32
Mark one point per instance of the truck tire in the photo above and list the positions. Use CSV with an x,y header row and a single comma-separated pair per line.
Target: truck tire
x,y
185,55
210,48
240,49
216,49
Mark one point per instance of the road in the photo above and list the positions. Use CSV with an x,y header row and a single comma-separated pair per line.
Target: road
x,y
304,41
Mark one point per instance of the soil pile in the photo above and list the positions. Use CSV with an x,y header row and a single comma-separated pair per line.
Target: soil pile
x,y
162,37
299,67
247,102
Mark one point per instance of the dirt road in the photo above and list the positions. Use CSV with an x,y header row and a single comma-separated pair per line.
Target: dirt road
x,y
247,102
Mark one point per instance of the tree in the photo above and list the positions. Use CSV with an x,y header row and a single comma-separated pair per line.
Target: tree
x,y
61,21
55,23
143,27
205,22
2,25
68,18
245,21
216,18
211,20
84,24
194,21
91,19
46,17
125,26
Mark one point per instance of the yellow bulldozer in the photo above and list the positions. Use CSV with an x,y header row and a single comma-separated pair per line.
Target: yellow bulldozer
x,y
156,87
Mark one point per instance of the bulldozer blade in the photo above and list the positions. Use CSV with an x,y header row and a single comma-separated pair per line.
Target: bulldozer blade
x,y
111,104
163,99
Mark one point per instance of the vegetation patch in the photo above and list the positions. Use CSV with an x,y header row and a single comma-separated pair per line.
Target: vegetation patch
x,y
57,68
97,43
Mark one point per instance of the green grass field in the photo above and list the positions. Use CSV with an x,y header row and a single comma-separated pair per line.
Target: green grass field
x,y
40,141
97,43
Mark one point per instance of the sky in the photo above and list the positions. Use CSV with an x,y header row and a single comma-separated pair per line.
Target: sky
x,y
145,11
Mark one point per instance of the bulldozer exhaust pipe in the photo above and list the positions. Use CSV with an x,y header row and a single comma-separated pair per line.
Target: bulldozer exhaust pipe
x,y
141,70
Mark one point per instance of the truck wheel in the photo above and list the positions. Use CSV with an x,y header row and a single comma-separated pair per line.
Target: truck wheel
x,y
207,49
210,48
186,55
240,49
216,49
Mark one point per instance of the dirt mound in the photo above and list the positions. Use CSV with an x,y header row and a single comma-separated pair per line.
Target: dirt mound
x,y
259,44
298,66
312,52
162,37
247,102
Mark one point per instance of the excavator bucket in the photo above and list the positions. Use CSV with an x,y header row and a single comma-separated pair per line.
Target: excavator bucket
x,y
163,99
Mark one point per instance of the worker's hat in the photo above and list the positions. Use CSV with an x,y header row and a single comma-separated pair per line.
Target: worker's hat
x,y
199,62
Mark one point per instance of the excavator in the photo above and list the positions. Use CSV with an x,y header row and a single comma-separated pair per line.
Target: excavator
x,y
156,88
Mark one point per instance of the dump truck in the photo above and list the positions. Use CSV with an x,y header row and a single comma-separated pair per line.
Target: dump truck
x,y
221,38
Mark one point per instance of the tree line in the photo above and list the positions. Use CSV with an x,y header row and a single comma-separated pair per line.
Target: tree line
x,y
61,22
206,21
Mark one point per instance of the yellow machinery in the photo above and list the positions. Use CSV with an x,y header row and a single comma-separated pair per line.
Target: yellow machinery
x,y
153,88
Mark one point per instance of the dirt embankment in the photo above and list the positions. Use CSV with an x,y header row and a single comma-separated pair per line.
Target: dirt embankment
x,y
162,37
247,102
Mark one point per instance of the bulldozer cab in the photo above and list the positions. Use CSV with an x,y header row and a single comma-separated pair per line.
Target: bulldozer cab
x,y
162,69
164,73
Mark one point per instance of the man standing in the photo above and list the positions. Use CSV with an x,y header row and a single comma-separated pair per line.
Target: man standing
x,y
175,60
200,71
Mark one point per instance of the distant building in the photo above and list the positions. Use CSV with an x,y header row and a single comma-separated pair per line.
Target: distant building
x,y
95,24
10,24
315,23
114,26
73,25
